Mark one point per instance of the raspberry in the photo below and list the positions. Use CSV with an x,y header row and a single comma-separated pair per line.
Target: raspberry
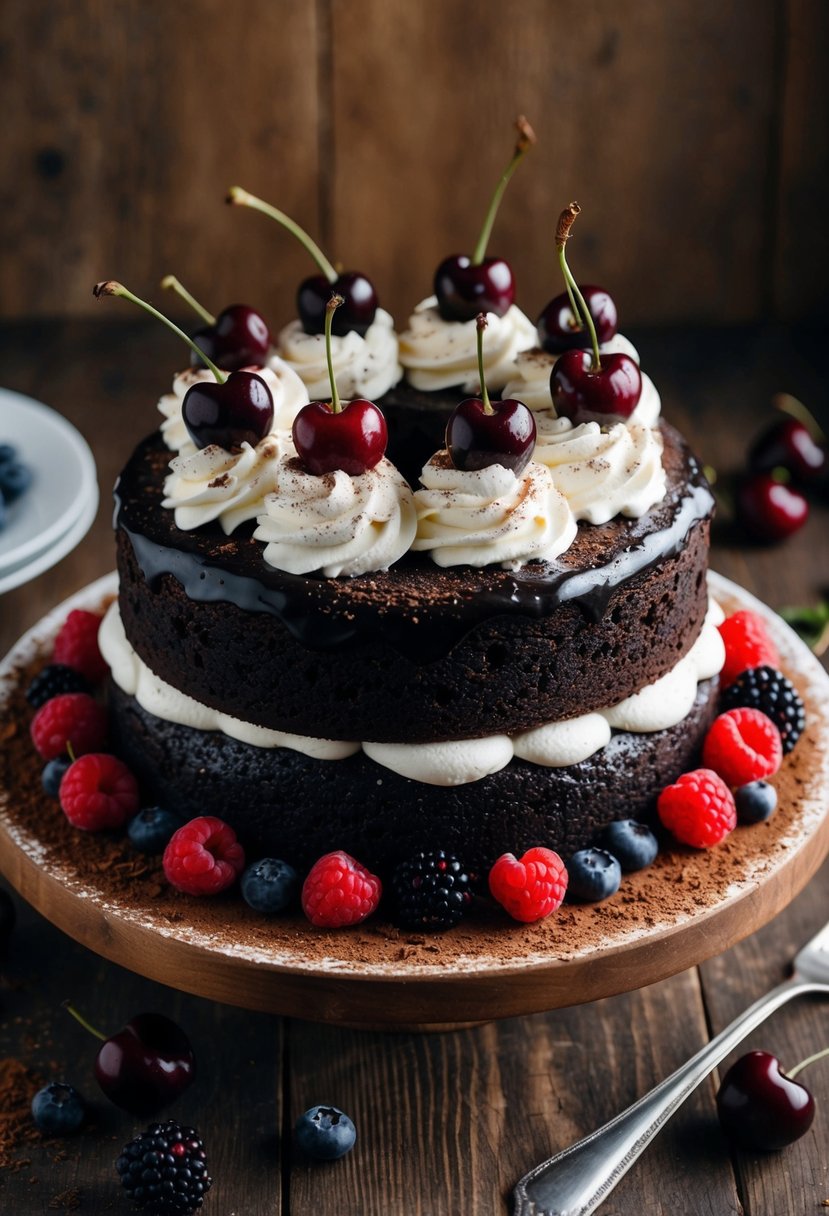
x,y
98,792
531,888
698,808
77,645
52,681
768,690
203,857
431,891
164,1170
339,891
742,745
747,644
70,719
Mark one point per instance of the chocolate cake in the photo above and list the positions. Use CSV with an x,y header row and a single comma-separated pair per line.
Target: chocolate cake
x,y
413,657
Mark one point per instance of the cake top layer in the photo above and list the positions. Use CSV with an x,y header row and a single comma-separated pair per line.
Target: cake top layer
x,y
324,612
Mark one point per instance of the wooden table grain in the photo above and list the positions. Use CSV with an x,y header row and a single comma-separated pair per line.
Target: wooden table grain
x,y
446,1122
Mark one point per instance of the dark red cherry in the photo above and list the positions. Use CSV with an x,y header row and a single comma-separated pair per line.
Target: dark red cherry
x,y
238,338
476,439
558,329
147,1065
230,414
584,395
788,444
759,1107
463,289
768,509
357,312
352,439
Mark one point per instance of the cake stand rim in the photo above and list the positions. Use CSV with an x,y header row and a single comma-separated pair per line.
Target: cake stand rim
x,y
356,987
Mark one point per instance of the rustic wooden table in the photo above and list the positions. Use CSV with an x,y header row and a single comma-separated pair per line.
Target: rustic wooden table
x,y
446,1122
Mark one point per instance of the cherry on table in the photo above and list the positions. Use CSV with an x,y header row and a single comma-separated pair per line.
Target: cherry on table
x,y
760,1107
465,286
144,1066
330,436
769,509
481,432
560,329
788,443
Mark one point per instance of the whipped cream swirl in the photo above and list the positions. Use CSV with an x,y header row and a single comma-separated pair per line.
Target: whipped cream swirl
x,y
439,354
487,516
288,392
601,471
363,366
530,380
334,523
213,483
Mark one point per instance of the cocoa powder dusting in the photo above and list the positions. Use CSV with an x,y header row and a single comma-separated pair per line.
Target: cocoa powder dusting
x,y
18,1085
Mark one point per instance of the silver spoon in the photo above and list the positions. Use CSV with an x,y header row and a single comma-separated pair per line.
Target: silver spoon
x,y
577,1180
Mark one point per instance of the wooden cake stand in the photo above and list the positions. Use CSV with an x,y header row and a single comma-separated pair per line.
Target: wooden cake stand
x,y
689,906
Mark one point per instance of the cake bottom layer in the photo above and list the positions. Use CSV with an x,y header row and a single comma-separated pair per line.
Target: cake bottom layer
x,y
287,805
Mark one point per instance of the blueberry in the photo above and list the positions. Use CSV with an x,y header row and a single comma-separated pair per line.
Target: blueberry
x,y
8,454
592,875
14,480
632,844
150,830
325,1133
269,885
755,802
58,1109
52,775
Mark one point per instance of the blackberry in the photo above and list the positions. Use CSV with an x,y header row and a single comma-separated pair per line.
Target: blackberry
x,y
767,689
431,891
164,1170
53,681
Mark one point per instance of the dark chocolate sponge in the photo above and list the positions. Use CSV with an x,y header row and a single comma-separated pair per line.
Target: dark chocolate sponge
x,y
416,422
416,653
285,805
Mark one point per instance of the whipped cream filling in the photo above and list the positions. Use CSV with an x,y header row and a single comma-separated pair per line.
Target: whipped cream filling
x,y
213,483
288,392
487,516
602,471
656,707
363,366
440,354
334,523
530,381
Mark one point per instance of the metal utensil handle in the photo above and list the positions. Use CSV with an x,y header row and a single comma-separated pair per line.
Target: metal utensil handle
x,y
577,1180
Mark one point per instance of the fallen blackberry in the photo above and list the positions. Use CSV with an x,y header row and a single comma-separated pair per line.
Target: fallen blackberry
x,y
430,891
53,681
767,689
164,1170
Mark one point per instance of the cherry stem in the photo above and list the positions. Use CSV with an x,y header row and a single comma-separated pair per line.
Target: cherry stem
x,y
171,283
111,288
238,197
70,751
565,223
819,1055
526,139
83,1022
481,323
787,404
331,307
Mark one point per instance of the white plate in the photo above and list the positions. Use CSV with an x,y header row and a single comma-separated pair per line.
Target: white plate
x,y
44,559
64,481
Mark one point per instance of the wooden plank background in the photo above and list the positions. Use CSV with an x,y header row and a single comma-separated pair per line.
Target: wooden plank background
x,y
693,132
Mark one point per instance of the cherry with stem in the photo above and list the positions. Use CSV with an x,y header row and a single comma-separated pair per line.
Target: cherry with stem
x,y
330,436
465,286
360,302
237,409
481,432
239,337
